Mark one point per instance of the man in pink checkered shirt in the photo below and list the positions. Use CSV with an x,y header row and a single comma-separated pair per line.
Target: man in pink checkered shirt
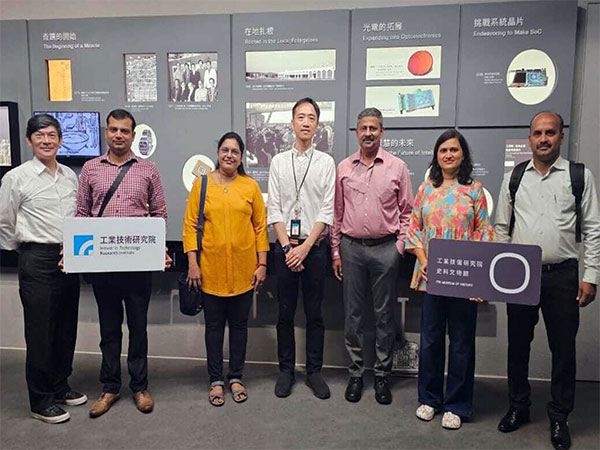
x,y
139,194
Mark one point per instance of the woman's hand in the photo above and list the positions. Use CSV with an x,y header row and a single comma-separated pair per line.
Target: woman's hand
x,y
422,274
476,299
259,277
193,277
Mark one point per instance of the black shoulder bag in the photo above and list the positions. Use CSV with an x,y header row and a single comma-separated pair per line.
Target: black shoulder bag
x,y
190,299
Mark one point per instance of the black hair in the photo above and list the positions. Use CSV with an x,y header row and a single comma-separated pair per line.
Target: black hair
x,y
370,112
557,115
121,114
233,135
307,100
42,121
466,166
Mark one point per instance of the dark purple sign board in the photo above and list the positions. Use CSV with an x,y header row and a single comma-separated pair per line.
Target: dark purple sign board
x,y
494,271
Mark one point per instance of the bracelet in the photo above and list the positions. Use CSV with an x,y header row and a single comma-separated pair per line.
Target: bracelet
x,y
262,265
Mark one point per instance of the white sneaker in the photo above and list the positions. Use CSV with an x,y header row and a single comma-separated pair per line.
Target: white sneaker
x,y
451,421
425,412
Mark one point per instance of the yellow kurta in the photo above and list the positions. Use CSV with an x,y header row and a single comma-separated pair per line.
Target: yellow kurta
x,y
235,229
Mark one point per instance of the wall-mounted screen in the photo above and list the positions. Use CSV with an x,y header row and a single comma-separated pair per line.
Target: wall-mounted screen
x,y
10,146
81,134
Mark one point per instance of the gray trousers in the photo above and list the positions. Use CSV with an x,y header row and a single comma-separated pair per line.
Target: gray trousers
x,y
369,271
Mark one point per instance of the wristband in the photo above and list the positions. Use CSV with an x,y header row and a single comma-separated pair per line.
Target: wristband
x,y
262,265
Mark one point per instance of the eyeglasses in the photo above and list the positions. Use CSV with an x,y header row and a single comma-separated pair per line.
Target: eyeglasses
x,y
230,151
39,136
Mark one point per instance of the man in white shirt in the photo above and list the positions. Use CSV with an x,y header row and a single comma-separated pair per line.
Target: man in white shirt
x,y
545,214
300,208
34,199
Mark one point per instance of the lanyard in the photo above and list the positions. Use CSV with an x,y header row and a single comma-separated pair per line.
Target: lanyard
x,y
303,178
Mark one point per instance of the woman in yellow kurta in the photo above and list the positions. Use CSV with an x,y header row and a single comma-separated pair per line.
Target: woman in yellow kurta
x,y
233,261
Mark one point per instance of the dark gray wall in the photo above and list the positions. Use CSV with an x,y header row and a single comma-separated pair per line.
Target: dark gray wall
x,y
14,73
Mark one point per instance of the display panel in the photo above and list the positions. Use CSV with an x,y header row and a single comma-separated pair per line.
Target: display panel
x,y
405,63
516,59
279,58
80,134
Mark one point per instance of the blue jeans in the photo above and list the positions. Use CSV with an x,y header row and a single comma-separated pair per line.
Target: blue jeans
x,y
461,316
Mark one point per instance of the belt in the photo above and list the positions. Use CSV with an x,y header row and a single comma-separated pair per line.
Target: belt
x,y
572,262
371,242
40,246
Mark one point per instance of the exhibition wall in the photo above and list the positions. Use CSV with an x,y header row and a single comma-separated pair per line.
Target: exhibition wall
x,y
485,68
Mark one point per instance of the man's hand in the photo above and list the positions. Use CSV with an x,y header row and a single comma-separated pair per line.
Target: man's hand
x,y
586,293
61,263
168,260
336,265
297,255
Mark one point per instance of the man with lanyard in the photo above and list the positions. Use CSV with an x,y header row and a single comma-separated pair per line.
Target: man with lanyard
x,y
545,214
34,200
373,202
300,213
139,194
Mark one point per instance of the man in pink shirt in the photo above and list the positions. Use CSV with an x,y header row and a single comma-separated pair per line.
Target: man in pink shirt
x,y
373,202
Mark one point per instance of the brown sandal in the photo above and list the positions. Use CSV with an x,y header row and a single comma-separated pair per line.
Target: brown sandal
x,y
213,396
236,392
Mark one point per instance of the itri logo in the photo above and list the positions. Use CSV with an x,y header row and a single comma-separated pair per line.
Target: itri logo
x,y
83,244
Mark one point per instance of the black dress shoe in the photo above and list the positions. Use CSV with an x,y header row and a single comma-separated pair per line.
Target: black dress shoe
x,y
559,435
513,419
354,389
283,387
383,394
318,385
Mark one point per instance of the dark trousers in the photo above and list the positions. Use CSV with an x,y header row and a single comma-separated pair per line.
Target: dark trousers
x,y
369,271
111,291
461,316
313,287
50,301
561,316
234,311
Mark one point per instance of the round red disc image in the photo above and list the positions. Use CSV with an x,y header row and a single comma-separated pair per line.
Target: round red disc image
x,y
420,63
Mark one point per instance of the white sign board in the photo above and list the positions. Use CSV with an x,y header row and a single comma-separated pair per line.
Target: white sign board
x,y
113,244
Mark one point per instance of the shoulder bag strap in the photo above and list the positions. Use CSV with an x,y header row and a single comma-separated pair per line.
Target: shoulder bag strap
x,y
577,173
115,185
200,226
513,186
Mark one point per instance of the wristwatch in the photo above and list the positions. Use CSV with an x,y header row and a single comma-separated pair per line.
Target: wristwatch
x,y
286,248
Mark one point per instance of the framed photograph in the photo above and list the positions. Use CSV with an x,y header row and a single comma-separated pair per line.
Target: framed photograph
x,y
193,77
291,65
10,145
141,81
269,131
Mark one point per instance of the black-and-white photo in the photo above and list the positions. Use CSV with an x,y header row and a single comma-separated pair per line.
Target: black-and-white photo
x,y
269,131
5,157
193,77
291,65
140,77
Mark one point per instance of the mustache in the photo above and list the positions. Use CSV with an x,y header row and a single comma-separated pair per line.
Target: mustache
x,y
368,138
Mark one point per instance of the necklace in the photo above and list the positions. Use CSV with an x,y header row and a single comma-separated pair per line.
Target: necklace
x,y
223,183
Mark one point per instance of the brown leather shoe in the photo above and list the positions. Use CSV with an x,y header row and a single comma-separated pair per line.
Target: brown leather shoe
x,y
143,401
103,404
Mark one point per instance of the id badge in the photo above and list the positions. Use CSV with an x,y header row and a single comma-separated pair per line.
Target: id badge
x,y
295,229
